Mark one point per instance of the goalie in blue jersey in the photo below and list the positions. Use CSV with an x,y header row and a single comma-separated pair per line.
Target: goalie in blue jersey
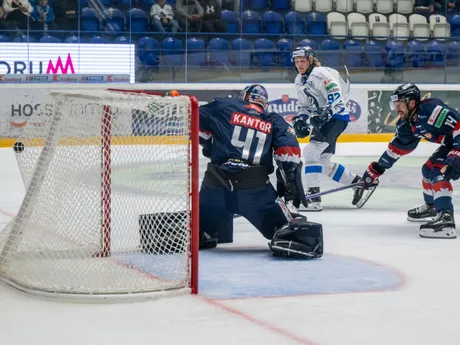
x,y
242,140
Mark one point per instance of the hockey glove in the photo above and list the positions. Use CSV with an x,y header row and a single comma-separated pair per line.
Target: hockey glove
x,y
371,175
287,188
301,126
453,165
320,117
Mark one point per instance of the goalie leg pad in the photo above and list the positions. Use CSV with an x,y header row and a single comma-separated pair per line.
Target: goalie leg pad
x,y
298,239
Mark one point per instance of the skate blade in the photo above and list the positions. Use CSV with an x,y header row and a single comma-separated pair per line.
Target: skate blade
x,y
311,209
446,234
361,202
420,220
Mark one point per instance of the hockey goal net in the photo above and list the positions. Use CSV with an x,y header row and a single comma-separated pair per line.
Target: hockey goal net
x,y
110,208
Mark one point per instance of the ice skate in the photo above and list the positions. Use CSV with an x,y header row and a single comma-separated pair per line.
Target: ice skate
x,y
314,205
443,226
424,213
357,191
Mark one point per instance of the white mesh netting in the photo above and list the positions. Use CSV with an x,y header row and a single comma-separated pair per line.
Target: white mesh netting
x,y
107,204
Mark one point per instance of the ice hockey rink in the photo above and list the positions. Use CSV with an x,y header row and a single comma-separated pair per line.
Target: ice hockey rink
x,y
378,282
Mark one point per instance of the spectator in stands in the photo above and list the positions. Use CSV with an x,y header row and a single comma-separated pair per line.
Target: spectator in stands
x,y
163,17
66,14
452,6
443,6
211,17
232,5
189,14
18,13
43,15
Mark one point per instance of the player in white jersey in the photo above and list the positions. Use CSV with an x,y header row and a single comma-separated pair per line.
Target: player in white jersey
x,y
323,113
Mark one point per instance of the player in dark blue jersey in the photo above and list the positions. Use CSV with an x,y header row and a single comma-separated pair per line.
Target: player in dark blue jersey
x,y
242,139
436,122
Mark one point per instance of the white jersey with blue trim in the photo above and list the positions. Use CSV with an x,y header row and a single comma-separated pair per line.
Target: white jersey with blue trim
x,y
322,87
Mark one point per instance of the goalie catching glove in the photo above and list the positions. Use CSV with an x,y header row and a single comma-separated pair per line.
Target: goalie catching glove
x,y
372,174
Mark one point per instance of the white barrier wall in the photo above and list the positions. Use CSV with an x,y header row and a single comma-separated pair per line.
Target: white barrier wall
x,y
369,106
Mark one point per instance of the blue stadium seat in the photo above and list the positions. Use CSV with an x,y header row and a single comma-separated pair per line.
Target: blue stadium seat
x,y
147,3
455,26
286,47
436,51
49,39
89,20
251,22
196,52
218,51
172,52
308,43
281,5
416,54
272,22
23,38
148,49
127,3
258,5
374,53
74,39
137,20
352,53
240,54
394,54
83,3
122,40
230,19
105,3
316,23
294,23
453,53
98,40
331,59
112,21
264,52
3,38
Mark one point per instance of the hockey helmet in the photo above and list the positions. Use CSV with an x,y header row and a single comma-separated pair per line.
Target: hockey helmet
x,y
306,51
405,92
255,93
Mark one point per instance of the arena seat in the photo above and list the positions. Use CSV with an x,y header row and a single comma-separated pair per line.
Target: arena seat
x,y
231,21
374,54
286,47
251,22
196,51
264,52
148,49
240,54
218,49
272,22
294,24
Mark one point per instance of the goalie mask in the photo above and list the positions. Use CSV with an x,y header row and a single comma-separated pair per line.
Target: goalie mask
x,y
255,93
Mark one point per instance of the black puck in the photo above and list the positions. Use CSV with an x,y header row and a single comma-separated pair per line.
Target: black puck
x,y
18,147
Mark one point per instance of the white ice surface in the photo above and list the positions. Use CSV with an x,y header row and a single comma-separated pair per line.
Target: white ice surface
x,y
423,310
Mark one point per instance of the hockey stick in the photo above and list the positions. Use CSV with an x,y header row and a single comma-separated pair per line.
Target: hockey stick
x,y
312,196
